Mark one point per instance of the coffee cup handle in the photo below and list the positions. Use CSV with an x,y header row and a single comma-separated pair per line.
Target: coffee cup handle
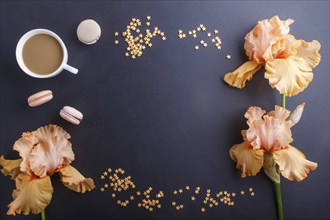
x,y
70,69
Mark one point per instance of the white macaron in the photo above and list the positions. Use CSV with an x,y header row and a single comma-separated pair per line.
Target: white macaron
x,y
89,31
40,98
71,115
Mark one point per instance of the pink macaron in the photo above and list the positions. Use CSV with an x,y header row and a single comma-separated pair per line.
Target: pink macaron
x,y
71,115
40,98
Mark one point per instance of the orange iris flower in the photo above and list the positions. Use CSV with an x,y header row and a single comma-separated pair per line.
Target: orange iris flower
x,y
288,62
43,152
269,135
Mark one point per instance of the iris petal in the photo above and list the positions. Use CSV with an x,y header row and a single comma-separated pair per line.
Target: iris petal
x,y
242,74
10,167
248,160
289,76
31,195
72,179
293,164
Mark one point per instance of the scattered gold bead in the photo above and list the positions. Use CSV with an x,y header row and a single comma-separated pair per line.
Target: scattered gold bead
x,y
193,198
202,209
173,203
180,191
242,192
252,193
216,31
187,188
102,189
228,57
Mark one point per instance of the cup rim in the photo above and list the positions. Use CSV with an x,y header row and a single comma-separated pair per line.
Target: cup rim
x,y
19,52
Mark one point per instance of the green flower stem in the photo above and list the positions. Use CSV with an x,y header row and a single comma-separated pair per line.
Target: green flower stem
x,y
43,216
277,185
279,200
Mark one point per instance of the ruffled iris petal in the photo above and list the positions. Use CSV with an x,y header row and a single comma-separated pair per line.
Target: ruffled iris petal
x,y
258,41
72,179
309,51
270,133
242,74
289,76
31,195
248,160
50,155
293,164
254,113
10,167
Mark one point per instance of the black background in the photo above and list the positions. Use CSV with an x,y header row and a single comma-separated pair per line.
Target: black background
x,y
167,118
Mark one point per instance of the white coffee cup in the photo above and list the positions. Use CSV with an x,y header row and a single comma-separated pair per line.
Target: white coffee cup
x,y
19,54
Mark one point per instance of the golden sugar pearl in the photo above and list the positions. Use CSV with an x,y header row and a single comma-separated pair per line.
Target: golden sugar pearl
x,y
219,47
109,169
199,29
225,192
213,40
216,31
102,189
228,57
198,188
139,205
105,174
222,200
148,17
131,197
164,38
180,31
194,35
193,198
184,35
204,28
175,192
242,192
106,185
208,195
194,31
159,206
202,42
190,32
208,191
233,194
148,23
180,191
177,208
147,196
252,193
181,206
209,34
113,195
202,209
205,201
173,203
151,209
116,42
250,189
210,205
196,191
102,177
187,188
118,202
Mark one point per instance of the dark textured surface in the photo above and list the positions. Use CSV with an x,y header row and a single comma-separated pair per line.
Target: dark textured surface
x,y
167,118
